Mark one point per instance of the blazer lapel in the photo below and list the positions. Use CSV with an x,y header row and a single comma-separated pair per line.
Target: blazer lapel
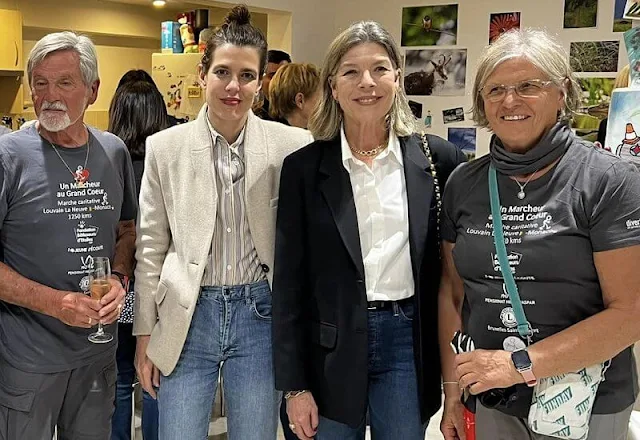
x,y
419,183
336,189
202,190
257,188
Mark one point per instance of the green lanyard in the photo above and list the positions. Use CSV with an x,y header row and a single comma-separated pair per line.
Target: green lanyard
x,y
524,327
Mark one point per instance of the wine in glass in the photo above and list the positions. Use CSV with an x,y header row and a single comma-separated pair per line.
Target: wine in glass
x,y
99,286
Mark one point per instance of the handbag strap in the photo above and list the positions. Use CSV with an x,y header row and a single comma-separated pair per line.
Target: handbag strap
x,y
524,327
436,183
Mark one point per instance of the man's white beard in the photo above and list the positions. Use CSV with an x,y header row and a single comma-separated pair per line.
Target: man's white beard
x,y
56,123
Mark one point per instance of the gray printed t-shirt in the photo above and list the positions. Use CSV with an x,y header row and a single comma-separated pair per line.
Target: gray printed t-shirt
x,y
50,230
589,202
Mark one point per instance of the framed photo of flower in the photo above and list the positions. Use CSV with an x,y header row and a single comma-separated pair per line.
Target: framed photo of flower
x,y
501,23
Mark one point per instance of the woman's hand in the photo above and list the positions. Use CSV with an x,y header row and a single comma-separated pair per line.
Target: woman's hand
x,y
483,370
452,424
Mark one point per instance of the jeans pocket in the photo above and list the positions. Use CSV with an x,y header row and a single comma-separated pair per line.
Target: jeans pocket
x,y
261,307
406,312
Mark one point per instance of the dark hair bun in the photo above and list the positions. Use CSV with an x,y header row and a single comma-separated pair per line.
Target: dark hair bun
x,y
239,15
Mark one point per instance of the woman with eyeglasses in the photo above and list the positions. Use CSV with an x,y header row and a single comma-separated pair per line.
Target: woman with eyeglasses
x,y
571,228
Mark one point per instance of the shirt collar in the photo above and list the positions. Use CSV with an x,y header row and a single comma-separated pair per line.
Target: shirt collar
x,y
393,150
236,146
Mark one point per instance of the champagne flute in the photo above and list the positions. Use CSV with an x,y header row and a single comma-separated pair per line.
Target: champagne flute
x,y
99,286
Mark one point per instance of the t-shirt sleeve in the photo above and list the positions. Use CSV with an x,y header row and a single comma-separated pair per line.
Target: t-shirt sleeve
x,y
129,200
615,217
448,230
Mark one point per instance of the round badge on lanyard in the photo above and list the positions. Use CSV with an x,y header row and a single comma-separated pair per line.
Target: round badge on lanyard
x,y
513,343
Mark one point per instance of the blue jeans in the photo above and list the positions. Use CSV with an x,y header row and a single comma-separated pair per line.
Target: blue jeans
x,y
394,410
230,334
121,420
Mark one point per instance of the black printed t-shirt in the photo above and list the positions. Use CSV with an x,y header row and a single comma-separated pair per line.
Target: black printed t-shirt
x,y
588,202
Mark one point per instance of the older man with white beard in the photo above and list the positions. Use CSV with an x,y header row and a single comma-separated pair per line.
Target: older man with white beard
x,y
67,195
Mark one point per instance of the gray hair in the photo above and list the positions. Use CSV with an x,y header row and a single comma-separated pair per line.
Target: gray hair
x,y
59,41
541,50
325,121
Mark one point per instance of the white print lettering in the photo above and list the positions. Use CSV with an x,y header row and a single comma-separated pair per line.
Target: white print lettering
x,y
85,233
514,260
633,224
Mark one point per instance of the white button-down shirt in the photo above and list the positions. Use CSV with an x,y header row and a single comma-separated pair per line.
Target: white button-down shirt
x,y
380,196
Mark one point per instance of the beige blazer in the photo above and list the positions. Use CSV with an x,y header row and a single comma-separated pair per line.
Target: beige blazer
x,y
178,203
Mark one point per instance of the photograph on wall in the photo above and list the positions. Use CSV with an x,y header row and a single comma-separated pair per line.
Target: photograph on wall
x,y
416,109
595,100
594,56
620,24
632,10
632,43
453,115
428,119
501,23
580,13
430,25
465,139
438,72
623,127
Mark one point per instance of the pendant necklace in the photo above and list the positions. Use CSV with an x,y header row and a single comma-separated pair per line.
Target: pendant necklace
x,y
521,193
81,174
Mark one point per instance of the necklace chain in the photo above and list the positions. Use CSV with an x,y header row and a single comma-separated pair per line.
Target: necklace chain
x,y
521,193
74,174
370,153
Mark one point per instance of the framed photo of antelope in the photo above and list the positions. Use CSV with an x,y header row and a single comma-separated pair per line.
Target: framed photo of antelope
x,y
437,72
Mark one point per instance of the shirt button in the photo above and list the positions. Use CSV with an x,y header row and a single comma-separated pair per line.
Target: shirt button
x,y
228,267
228,229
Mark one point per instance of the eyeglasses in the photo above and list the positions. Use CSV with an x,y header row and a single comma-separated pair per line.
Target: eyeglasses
x,y
531,88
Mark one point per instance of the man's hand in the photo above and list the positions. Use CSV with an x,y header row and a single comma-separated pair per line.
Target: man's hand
x,y
303,415
452,424
78,310
148,374
112,302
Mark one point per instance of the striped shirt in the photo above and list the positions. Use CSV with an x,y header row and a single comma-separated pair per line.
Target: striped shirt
x,y
233,259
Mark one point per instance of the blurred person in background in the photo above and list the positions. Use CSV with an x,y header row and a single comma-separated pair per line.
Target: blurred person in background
x,y
275,60
133,126
294,94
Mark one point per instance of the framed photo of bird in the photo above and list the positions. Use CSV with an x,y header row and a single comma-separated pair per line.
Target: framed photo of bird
x,y
430,25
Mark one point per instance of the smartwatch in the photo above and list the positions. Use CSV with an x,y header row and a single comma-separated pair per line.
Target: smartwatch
x,y
522,362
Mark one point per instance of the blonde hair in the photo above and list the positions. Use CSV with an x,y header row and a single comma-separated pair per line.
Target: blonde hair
x,y
622,78
288,81
325,121
541,50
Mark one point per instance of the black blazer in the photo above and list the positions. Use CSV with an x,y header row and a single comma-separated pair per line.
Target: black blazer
x,y
319,299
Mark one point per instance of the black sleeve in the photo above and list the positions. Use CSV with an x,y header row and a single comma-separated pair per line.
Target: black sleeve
x,y
447,157
602,131
288,321
130,200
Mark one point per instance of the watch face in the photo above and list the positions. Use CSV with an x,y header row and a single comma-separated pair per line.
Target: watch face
x,y
521,359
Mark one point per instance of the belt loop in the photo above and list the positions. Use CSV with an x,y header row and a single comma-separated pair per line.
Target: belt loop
x,y
247,293
395,307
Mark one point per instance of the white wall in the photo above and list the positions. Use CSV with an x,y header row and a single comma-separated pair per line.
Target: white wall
x,y
473,34
311,26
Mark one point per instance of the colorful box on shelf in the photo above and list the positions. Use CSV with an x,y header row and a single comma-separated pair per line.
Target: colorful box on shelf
x,y
171,42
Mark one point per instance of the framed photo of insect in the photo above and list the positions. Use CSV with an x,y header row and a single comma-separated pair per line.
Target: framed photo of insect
x,y
430,25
